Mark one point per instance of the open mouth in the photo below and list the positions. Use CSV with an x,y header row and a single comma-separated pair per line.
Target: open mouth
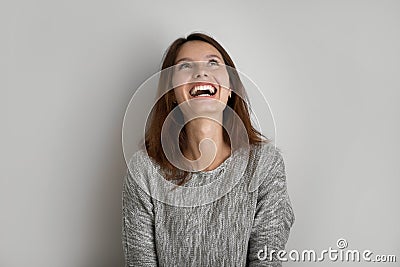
x,y
203,90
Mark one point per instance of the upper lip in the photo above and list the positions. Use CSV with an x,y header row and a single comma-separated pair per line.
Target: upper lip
x,y
202,84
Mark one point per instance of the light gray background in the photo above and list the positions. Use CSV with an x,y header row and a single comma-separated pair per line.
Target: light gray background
x,y
330,71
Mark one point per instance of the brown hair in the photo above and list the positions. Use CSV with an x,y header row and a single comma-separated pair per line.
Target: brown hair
x,y
166,104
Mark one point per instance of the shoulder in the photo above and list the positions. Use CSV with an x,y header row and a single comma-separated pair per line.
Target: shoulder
x,y
266,156
141,164
265,162
140,168
138,158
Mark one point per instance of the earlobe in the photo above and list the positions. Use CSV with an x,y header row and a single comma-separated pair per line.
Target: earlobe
x,y
174,101
173,98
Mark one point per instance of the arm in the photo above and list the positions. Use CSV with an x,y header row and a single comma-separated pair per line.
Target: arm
x,y
273,218
137,225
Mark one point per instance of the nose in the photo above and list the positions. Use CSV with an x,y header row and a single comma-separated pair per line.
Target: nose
x,y
200,71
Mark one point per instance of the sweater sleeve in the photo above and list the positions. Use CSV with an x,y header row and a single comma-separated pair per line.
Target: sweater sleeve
x,y
273,218
137,225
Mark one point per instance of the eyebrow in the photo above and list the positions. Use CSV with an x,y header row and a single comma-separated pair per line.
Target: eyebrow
x,y
189,59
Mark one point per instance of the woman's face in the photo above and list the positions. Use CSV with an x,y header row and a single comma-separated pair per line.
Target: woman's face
x,y
200,78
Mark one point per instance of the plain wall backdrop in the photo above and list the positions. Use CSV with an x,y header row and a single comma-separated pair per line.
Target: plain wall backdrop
x,y
329,69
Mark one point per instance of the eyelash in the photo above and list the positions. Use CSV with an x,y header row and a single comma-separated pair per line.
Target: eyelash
x,y
186,64
214,61
181,66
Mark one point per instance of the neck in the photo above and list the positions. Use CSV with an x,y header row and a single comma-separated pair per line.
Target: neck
x,y
203,128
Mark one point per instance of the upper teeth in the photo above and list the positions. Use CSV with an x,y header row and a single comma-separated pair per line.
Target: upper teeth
x,y
203,87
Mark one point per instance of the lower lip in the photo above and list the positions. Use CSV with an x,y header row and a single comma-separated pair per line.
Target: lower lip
x,y
211,96
199,97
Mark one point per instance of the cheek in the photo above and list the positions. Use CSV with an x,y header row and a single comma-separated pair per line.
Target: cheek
x,y
222,78
224,96
179,94
180,78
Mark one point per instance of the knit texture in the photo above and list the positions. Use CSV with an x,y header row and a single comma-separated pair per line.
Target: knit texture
x,y
254,215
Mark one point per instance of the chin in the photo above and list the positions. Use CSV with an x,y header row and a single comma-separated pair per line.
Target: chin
x,y
194,108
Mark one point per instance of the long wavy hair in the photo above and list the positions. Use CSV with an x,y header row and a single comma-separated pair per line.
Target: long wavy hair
x,y
166,103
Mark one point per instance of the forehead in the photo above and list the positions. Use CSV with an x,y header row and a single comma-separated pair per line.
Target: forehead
x,y
197,50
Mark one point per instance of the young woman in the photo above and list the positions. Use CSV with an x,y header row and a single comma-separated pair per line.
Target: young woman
x,y
199,144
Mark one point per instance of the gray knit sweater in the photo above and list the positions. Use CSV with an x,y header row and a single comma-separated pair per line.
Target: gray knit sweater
x,y
227,232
